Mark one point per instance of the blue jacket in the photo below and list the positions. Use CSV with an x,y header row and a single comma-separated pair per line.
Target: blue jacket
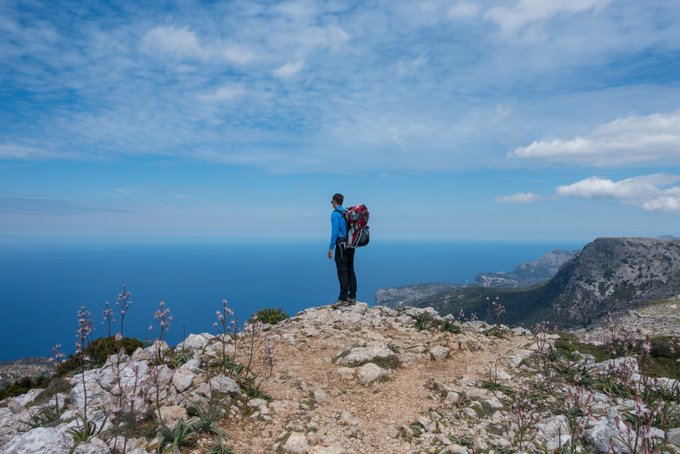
x,y
338,226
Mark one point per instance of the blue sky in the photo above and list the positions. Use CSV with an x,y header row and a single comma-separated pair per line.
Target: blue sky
x,y
513,120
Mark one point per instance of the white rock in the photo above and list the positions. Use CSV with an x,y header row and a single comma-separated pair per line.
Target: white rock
x,y
195,341
346,373
182,379
368,373
42,440
601,431
296,444
225,385
554,432
172,414
455,449
439,352
21,401
674,437
93,446
358,356
330,449
452,398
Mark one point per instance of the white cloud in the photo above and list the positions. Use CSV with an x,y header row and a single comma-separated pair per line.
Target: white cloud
x,y
14,151
224,93
289,69
520,197
651,139
463,10
650,192
238,54
178,42
410,67
525,12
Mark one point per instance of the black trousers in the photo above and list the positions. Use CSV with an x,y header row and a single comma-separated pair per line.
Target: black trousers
x,y
344,261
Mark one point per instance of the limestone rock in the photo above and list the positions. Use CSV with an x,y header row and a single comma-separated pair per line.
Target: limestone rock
x,y
182,379
439,352
296,444
674,437
42,440
368,373
358,356
196,341
93,446
554,432
172,414
225,385
330,449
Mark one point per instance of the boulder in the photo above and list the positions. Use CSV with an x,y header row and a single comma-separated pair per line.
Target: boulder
x,y
368,373
225,385
439,352
45,440
674,437
358,356
172,414
195,341
554,432
296,443
182,379
599,433
93,446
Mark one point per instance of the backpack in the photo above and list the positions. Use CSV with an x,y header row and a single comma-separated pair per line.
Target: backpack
x,y
357,226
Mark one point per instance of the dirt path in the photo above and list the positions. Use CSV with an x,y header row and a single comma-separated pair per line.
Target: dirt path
x,y
311,397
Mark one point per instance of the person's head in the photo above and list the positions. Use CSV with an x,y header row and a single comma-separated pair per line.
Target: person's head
x,y
337,200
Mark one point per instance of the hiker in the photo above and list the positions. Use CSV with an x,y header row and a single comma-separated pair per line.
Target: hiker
x,y
344,256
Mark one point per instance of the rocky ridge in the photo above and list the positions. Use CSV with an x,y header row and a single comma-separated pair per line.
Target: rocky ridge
x,y
355,380
527,273
607,275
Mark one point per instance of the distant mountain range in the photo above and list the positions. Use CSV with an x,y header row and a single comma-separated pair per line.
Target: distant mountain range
x,y
608,274
527,273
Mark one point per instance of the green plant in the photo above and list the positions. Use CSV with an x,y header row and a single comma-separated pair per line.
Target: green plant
x,y
23,385
206,418
219,448
271,316
496,331
44,417
450,327
85,429
463,441
170,440
98,351
423,321
493,385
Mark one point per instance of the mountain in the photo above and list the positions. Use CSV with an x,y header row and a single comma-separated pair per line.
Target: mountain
x,y
608,274
357,379
527,273
411,295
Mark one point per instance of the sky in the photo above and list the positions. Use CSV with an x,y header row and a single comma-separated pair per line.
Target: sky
x,y
514,120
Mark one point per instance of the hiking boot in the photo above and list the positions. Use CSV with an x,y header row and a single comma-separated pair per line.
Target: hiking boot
x,y
351,301
339,304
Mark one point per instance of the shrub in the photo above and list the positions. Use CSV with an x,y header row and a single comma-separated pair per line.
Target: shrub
x,y
271,316
23,385
423,321
98,351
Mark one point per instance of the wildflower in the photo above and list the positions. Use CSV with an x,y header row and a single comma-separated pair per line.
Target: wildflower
x,y
122,305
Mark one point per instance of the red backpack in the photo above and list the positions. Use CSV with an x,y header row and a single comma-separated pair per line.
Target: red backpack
x,y
357,226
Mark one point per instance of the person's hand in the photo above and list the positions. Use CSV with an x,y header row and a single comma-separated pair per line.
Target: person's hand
x,y
330,253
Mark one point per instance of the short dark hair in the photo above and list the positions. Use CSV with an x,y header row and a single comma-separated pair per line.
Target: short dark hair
x,y
338,198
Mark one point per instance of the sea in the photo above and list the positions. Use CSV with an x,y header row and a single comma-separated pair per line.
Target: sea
x,y
43,284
